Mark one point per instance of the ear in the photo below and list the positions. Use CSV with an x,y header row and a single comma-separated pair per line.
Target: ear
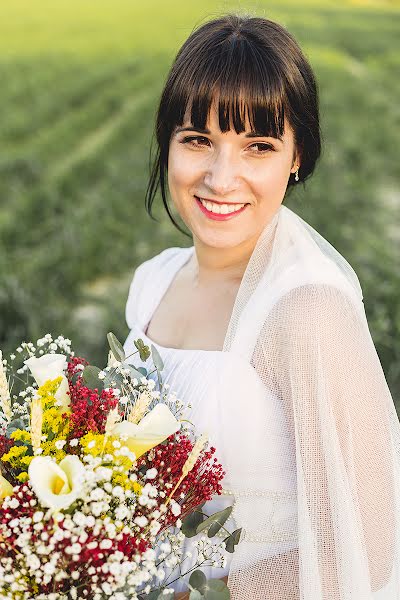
x,y
296,162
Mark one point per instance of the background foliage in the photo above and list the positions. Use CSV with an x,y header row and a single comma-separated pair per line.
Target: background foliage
x,y
80,83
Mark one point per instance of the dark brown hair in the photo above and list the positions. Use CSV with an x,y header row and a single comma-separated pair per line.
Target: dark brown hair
x,y
256,68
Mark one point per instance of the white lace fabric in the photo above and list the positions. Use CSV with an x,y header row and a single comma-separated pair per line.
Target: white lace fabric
x,y
300,320
308,428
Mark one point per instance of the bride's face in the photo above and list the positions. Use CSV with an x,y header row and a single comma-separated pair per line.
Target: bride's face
x,y
232,169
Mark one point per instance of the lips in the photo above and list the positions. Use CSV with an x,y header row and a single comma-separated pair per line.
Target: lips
x,y
217,216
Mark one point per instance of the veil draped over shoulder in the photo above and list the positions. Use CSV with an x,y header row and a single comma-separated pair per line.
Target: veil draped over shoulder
x,y
332,532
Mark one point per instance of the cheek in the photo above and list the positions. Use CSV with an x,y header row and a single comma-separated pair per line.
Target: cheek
x,y
272,176
182,171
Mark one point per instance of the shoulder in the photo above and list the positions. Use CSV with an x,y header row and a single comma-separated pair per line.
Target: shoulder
x,y
321,310
316,328
144,274
159,260
149,267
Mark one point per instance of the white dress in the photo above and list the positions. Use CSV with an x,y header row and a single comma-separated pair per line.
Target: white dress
x,y
217,384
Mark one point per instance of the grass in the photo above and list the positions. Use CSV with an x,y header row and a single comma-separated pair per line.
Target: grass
x,y
80,84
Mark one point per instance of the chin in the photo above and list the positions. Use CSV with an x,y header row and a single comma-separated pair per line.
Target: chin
x,y
220,239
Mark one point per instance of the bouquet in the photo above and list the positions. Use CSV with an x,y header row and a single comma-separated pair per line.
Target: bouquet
x,y
99,470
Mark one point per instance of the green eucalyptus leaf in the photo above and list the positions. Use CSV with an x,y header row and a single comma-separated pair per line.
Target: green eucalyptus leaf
x,y
190,523
133,372
113,379
217,518
152,596
116,347
90,376
195,595
213,529
144,351
216,589
143,371
157,360
198,580
232,540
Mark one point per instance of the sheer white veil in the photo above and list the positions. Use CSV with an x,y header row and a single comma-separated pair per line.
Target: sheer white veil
x,y
330,529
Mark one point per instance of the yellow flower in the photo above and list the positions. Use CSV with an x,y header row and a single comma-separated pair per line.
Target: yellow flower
x,y
26,461
21,435
54,424
14,456
123,480
92,443
48,391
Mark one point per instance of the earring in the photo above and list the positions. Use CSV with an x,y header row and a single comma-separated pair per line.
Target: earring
x,y
296,177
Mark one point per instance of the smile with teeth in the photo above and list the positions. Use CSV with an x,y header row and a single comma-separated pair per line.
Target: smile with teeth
x,y
221,209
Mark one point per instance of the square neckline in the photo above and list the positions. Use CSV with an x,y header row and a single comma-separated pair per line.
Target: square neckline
x,y
174,270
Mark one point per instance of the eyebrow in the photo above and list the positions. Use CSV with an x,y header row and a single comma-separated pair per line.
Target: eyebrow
x,y
251,134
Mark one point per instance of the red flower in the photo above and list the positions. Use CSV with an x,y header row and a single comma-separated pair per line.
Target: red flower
x,y
201,483
74,367
5,445
89,409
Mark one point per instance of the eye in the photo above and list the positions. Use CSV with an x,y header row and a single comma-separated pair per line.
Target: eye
x,y
193,139
263,147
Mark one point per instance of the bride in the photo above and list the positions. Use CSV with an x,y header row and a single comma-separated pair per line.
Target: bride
x,y
262,328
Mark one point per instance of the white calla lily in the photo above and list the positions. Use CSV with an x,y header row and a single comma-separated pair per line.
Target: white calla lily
x,y
57,486
48,367
6,489
155,427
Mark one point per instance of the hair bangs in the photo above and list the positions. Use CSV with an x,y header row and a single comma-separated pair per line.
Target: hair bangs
x,y
247,92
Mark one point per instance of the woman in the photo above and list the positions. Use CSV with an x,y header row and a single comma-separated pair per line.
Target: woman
x,y
262,327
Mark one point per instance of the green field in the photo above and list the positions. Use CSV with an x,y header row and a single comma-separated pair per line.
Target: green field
x,y
79,86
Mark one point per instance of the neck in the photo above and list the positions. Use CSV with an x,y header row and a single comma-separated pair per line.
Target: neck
x,y
220,265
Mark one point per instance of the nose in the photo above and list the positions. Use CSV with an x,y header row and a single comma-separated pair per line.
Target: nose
x,y
222,176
